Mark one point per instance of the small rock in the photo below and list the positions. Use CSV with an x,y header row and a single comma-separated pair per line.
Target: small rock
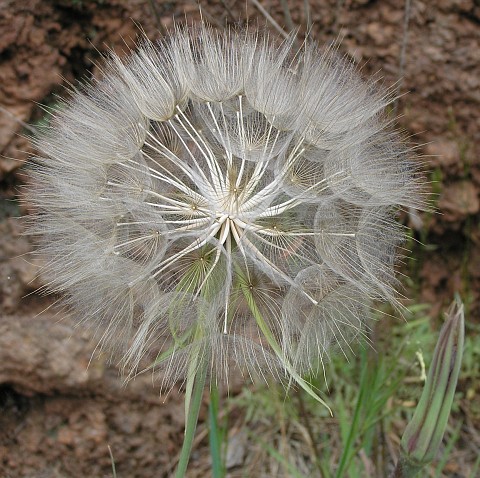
x,y
379,32
236,450
443,152
460,198
66,436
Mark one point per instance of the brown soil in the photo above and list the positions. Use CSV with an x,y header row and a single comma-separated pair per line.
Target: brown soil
x,y
58,413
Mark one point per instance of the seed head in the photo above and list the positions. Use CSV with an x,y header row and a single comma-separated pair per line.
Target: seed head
x,y
223,199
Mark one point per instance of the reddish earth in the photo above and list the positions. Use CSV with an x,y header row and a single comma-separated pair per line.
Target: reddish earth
x,y
59,413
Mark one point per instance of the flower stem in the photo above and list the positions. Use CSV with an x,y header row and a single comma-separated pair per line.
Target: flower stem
x,y
192,419
215,434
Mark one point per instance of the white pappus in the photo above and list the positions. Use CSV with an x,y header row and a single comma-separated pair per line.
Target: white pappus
x,y
222,199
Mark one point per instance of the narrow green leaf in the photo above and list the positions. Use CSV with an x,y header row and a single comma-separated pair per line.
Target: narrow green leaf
x,y
275,346
192,419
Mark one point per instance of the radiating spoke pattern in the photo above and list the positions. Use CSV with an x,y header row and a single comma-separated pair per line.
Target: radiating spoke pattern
x,y
219,195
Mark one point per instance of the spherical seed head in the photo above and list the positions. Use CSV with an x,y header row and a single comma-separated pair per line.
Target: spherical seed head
x,y
220,198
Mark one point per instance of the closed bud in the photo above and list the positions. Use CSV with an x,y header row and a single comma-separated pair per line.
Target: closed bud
x,y
423,435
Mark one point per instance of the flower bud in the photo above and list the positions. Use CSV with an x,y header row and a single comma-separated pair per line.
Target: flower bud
x,y
424,433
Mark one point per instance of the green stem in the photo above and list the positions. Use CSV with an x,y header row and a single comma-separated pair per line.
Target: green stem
x,y
214,433
349,445
192,419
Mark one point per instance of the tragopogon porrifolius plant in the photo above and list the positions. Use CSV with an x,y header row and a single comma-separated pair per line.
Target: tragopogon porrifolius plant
x,y
223,200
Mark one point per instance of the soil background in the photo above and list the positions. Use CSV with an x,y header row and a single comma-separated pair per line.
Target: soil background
x,y
58,410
